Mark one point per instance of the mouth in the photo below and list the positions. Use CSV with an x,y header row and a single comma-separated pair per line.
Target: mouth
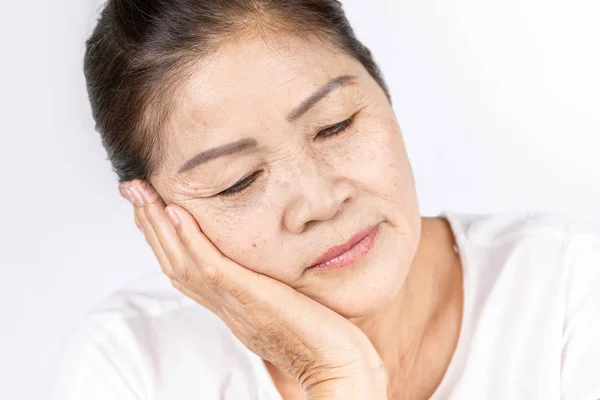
x,y
345,254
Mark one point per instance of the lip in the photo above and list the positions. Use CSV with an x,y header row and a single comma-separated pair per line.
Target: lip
x,y
346,253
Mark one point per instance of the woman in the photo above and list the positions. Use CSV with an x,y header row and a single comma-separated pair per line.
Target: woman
x,y
258,146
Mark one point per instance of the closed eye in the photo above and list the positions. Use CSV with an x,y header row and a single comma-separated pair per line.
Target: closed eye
x,y
241,185
336,129
330,131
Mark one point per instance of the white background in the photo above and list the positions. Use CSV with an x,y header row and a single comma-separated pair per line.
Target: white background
x,y
498,102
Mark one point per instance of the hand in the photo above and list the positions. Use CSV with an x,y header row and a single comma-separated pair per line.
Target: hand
x,y
322,350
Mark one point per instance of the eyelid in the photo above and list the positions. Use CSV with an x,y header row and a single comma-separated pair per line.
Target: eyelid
x,y
339,123
244,183
338,127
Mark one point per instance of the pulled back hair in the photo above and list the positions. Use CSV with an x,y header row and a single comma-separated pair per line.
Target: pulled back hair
x,y
141,50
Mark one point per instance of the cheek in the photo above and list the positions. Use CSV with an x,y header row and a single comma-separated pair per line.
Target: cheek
x,y
379,163
242,236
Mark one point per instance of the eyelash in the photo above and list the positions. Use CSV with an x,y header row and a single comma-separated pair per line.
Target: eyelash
x,y
332,130
338,128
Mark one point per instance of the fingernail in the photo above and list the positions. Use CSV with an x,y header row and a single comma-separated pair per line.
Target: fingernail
x,y
150,196
126,193
131,196
138,199
172,216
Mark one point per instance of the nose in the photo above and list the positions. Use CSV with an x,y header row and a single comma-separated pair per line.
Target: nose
x,y
319,194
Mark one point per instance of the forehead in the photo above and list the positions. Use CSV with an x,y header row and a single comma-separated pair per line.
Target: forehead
x,y
263,75
246,89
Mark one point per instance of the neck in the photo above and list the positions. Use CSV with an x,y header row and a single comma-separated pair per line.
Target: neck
x,y
410,327
415,334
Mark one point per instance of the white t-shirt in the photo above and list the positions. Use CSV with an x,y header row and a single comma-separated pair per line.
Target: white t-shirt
x,y
530,330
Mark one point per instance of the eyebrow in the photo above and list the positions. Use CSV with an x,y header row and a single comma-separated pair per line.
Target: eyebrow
x,y
318,95
242,144
206,156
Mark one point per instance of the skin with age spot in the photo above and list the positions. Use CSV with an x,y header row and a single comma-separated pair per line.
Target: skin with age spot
x,y
310,189
311,193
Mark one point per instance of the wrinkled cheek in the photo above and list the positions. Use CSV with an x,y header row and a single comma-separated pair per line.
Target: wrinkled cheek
x,y
224,230
243,238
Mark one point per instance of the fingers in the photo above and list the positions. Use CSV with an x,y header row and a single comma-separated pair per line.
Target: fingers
x,y
193,293
137,200
166,242
182,267
152,239
207,258
214,267
185,253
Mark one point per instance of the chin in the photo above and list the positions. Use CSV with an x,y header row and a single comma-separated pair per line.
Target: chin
x,y
365,296
370,283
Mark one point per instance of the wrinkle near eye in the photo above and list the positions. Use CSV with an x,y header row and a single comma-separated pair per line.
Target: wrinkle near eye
x,y
219,177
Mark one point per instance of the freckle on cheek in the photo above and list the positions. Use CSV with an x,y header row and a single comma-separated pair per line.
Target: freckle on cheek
x,y
253,244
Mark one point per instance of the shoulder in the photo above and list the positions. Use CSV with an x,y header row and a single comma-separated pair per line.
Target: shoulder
x,y
538,274
544,240
548,259
144,339
496,228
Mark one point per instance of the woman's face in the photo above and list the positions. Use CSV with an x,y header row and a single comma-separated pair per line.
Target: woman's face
x,y
309,189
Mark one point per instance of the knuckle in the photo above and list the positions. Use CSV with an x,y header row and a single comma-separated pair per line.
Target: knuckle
x,y
243,298
183,274
212,274
180,270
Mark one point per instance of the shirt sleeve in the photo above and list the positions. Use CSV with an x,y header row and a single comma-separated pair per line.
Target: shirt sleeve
x,y
581,335
95,364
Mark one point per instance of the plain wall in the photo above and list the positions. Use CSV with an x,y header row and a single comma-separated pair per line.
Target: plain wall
x,y
498,103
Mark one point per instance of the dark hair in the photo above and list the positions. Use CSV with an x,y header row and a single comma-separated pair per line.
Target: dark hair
x,y
140,50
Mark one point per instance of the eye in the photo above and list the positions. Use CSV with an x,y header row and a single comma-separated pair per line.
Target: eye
x,y
336,129
332,130
240,186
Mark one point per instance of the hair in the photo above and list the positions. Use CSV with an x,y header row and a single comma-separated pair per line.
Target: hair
x,y
140,51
